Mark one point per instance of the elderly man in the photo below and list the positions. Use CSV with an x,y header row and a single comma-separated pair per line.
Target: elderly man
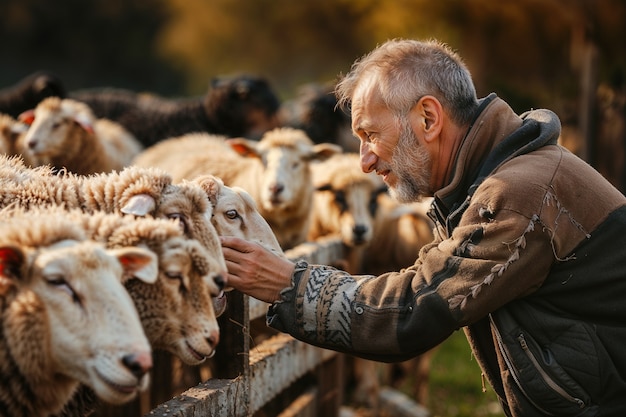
x,y
529,251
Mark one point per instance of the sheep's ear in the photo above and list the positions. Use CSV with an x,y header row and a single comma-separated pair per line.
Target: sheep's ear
x,y
212,185
84,121
139,205
11,262
27,117
244,147
138,263
323,151
19,128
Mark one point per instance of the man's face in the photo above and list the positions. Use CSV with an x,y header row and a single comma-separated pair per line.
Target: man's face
x,y
390,148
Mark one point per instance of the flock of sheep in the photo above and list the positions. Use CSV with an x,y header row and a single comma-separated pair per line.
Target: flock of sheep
x,y
111,207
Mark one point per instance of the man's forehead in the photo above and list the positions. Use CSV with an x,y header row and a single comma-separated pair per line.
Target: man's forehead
x,y
367,103
366,91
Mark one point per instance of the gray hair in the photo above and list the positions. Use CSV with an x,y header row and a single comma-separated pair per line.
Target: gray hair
x,y
406,70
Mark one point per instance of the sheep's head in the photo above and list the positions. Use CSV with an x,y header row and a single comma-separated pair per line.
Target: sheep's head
x,y
241,106
51,122
346,199
80,323
285,154
235,213
177,312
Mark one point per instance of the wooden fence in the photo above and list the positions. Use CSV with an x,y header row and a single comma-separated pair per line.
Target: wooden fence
x,y
278,376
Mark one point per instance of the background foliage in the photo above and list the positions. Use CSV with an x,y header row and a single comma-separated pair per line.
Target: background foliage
x,y
528,50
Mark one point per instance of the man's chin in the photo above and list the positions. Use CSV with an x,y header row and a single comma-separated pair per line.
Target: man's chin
x,y
402,196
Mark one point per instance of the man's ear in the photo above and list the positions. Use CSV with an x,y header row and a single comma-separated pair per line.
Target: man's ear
x,y
427,116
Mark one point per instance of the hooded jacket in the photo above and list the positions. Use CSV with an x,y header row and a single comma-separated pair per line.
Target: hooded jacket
x,y
527,259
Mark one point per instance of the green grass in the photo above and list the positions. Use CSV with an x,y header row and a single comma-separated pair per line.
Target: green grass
x,y
456,388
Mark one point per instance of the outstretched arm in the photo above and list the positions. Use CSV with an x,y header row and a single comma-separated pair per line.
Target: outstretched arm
x,y
254,270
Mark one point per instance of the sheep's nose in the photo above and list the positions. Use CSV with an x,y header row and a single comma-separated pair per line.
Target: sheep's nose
x,y
32,143
214,338
220,281
138,363
277,189
359,230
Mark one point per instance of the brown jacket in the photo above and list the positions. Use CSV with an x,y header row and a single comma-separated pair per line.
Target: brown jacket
x,y
540,228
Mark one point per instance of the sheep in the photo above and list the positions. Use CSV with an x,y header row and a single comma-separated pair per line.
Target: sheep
x,y
400,231
345,203
315,111
29,91
66,318
274,171
242,105
134,191
176,311
64,133
11,130
235,213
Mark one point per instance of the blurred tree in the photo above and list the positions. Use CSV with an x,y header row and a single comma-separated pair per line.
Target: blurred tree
x,y
86,42
288,42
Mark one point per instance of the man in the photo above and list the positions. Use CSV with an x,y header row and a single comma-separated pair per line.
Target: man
x,y
528,254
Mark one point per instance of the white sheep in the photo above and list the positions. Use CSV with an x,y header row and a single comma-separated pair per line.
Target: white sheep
x,y
275,171
64,133
345,204
134,191
66,318
235,213
176,311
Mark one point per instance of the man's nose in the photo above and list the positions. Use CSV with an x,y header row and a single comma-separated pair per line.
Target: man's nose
x,y
368,158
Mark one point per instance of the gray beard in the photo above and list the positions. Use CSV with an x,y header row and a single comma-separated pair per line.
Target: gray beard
x,y
411,163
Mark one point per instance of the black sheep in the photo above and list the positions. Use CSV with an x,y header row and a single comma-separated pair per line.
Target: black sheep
x,y
29,91
242,106
315,111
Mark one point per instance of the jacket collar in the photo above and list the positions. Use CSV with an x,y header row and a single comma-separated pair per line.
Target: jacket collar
x,y
496,135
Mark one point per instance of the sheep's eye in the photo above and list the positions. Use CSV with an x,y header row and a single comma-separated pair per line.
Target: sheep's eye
x,y
340,199
56,125
232,214
61,283
181,219
178,276
295,165
373,206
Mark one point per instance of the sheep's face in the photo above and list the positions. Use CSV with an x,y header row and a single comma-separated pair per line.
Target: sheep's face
x,y
345,200
188,203
51,123
285,174
350,210
177,311
235,214
71,316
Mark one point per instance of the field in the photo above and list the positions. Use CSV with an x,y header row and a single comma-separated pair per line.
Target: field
x,y
455,383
